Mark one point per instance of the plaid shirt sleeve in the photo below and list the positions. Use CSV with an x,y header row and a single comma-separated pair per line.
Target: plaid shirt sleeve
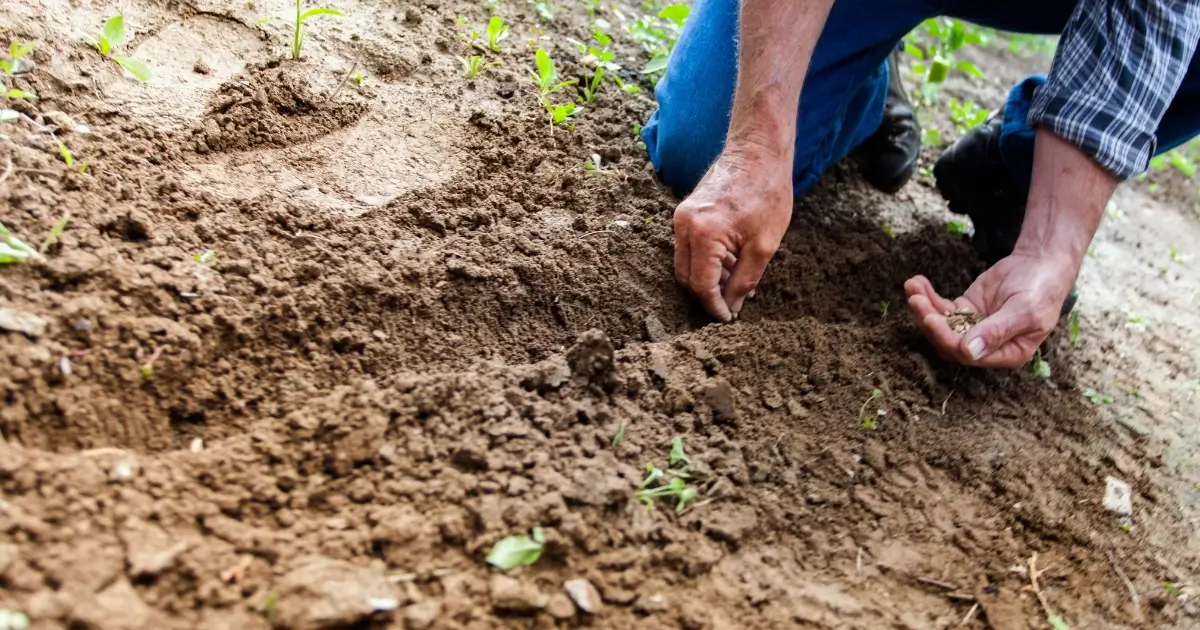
x,y
1118,65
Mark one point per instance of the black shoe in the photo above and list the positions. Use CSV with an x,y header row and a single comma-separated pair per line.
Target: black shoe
x,y
971,176
888,158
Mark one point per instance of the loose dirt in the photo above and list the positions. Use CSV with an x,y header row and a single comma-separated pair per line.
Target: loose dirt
x,y
310,351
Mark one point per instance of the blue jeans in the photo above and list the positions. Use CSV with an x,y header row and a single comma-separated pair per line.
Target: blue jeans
x,y
844,93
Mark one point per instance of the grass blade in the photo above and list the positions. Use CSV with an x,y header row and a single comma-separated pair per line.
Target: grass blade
x,y
320,11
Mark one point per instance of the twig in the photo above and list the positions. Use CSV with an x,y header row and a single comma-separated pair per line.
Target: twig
x,y
342,83
938,583
1033,576
1137,601
946,401
970,615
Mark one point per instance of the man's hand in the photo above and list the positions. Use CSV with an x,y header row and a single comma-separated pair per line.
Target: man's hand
x,y
1019,298
729,228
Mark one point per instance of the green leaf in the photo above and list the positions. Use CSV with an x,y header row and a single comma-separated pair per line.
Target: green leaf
x,y
16,50
6,67
969,68
545,67
914,51
105,47
114,33
134,67
65,152
1057,623
657,63
677,13
56,232
15,93
516,551
1041,368
319,11
620,435
13,249
677,454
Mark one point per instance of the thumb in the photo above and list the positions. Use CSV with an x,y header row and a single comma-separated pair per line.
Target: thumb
x,y
751,263
989,337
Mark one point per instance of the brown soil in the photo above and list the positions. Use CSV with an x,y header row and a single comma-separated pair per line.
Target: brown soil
x,y
421,326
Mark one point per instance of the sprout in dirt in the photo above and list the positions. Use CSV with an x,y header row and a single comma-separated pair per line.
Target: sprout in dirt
x,y
1074,329
1097,398
55,232
113,36
619,436
206,257
594,165
957,227
935,61
21,94
359,79
497,31
298,27
677,454
516,551
866,421
544,9
657,35
13,250
475,64
677,487
69,158
883,309
546,76
16,50
1039,366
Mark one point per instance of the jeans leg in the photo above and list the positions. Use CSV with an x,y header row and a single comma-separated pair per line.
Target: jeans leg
x,y
841,104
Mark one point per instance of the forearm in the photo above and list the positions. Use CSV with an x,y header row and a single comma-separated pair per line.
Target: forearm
x,y
776,44
1066,201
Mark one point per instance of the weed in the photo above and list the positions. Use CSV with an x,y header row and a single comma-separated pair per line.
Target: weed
x,y
517,551
866,421
883,309
16,50
69,158
619,436
1074,329
13,250
1039,366
112,36
55,232
475,64
1097,398
497,31
958,228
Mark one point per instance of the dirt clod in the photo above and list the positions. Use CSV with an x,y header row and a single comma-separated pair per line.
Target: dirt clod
x,y
322,593
585,596
592,355
512,595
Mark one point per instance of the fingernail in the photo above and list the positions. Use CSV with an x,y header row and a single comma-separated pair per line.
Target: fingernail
x,y
976,347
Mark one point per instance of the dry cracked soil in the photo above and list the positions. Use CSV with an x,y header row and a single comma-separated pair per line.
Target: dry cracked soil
x,y
307,348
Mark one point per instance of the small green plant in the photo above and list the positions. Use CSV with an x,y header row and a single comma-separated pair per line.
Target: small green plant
x,y
934,62
298,26
475,64
497,31
113,36
677,487
1097,398
657,35
560,113
1074,329
865,420
517,551
16,50
883,309
619,436
1039,366
69,158
359,79
966,115
957,227
1172,589
546,76
206,257
544,9
55,231
13,250
19,94
677,454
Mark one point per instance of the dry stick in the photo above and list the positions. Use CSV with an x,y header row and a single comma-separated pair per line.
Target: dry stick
x,y
342,83
938,583
1137,601
946,401
970,615
1033,576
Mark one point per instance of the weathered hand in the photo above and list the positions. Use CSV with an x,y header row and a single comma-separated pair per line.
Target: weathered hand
x,y
1019,298
731,225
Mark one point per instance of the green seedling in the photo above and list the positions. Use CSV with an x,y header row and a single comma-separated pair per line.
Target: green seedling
x,y
619,436
468,37
887,229
594,166
1136,322
1039,366
1097,398
866,421
637,137
957,227
206,257
493,6
20,94
935,62
497,31
930,136
475,64
1074,329
55,231
560,113
1057,622
13,250
677,454
1091,251
544,9
657,35
113,36
298,26
13,620
517,551
883,309
359,79
966,115
16,50
147,368
1172,589
69,158
677,488
546,76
